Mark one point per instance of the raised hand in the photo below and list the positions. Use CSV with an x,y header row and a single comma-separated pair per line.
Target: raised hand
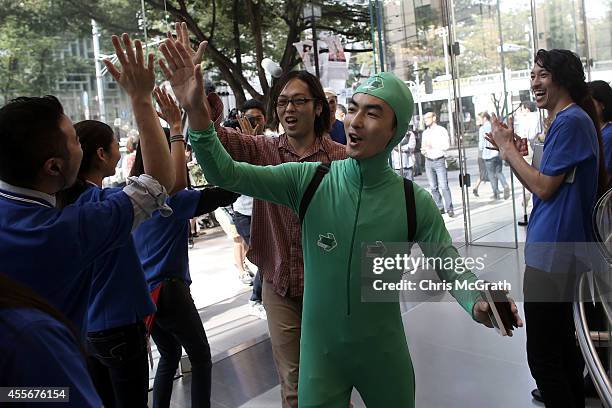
x,y
182,36
246,127
136,78
184,77
170,111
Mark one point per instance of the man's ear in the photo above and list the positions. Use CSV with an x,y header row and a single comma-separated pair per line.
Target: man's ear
x,y
53,166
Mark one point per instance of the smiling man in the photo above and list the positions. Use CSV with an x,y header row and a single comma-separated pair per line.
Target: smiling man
x,y
345,342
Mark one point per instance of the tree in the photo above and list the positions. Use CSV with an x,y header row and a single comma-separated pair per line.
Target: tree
x,y
240,33
29,61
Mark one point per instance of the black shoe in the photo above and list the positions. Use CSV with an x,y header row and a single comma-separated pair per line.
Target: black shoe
x,y
451,214
537,395
475,191
442,211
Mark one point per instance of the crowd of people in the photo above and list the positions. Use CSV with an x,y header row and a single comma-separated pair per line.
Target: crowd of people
x,y
90,273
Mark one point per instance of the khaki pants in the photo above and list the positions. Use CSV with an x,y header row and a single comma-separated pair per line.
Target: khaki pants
x,y
285,326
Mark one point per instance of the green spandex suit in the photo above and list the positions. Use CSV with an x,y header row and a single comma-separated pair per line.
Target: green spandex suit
x,y
345,342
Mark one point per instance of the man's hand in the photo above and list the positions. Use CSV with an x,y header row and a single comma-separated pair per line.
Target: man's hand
x,y
170,111
135,78
245,126
182,36
185,78
481,314
502,136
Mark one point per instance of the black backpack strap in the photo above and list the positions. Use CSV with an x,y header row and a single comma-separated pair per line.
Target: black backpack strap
x,y
410,209
322,170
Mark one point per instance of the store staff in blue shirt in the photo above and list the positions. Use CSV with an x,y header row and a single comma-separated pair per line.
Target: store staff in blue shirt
x,y
38,347
602,96
162,244
49,249
336,131
120,298
565,188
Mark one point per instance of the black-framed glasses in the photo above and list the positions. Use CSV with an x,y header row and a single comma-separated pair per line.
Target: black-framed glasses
x,y
284,102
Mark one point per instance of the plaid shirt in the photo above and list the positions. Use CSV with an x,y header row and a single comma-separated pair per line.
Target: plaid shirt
x,y
276,243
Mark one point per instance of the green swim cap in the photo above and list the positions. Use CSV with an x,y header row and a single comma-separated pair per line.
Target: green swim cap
x,y
396,94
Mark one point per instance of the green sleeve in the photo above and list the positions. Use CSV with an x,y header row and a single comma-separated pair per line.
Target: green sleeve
x,y
435,242
281,184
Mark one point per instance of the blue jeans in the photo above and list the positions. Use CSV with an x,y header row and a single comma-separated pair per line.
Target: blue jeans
x,y
437,177
177,323
494,169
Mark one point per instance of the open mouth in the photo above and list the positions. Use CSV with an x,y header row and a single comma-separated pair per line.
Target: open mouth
x,y
539,94
353,138
291,120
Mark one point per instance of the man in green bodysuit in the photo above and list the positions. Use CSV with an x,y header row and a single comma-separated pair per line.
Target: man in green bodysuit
x,y
345,342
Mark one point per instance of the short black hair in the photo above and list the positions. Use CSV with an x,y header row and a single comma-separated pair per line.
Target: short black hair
x,y
321,123
602,93
253,104
341,108
30,134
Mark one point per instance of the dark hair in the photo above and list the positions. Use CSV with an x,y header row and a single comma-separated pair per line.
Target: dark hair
x,y
341,108
321,123
567,71
16,295
30,134
253,104
602,93
92,135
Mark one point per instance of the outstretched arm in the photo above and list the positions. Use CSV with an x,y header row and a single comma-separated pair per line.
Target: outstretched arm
x,y
283,184
138,80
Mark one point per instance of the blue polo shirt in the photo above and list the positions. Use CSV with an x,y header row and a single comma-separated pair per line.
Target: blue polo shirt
x,y
119,291
565,218
50,250
606,134
36,350
337,132
162,242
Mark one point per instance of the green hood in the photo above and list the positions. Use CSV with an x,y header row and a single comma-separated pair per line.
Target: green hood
x,y
396,94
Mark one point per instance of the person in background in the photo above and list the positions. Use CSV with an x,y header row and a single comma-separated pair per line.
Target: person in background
x,y
483,177
602,96
402,156
340,112
161,244
491,158
569,178
253,123
336,131
434,145
40,347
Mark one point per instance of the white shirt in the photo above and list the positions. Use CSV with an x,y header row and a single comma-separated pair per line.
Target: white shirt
x,y
483,143
243,205
435,142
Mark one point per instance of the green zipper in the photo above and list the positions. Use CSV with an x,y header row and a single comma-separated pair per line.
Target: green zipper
x,y
348,275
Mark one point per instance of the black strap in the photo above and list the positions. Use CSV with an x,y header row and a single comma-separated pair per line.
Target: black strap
x,y
322,170
410,209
